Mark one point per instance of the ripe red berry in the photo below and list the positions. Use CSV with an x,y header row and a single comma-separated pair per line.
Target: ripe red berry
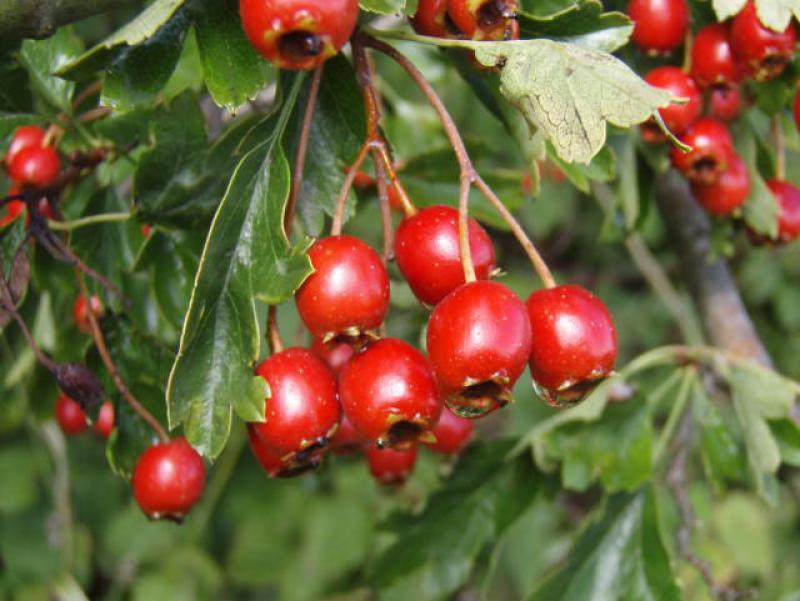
x,y
389,394
347,296
24,137
298,34
70,416
725,102
677,117
713,61
658,25
765,52
432,19
712,151
335,354
729,192
788,196
35,166
302,409
168,480
347,439
427,252
389,466
105,420
80,312
13,208
274,465
452,433
485,19
479,341
574,343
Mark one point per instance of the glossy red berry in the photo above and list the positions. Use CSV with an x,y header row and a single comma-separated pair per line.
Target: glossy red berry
x,y
728,193
427,252
479,341
788,196
453,433
80,312
168,480
713,61
574,343
347,439
712,151
677,117
725,102
24,137
389,466
335,354
273,464
302,409
432,19
13,208
35,166
659,25
347,296
70,416
298,34
485,19
389,394
765,52
105,420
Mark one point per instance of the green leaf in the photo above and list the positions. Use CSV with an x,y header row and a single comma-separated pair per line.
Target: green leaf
x,y
720,442
15,93
787,433
761,208
233,71
434,551
386,7
620,557
246,256
569,93
43,58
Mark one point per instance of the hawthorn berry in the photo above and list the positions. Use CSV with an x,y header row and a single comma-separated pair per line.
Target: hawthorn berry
x,y
347,439
70,416
485,19
659,25
35,166
727,193
80,312
391,467
711,153
765,52
105,420
302,409
24,137
429,257
389,394
725,102
273,464
574,343
347,296
479,341
298,34
335,355
433,19
12,209
713,60
453,433
788,196
168,480
677,117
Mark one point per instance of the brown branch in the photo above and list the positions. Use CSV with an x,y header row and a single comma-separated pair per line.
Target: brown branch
x,y
40,18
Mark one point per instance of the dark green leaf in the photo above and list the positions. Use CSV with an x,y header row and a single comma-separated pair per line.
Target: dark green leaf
x,y
720,442
43,58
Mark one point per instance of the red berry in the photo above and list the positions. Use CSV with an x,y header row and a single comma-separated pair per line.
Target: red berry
x,y
725,102
25,136
347,439
713,61
80,312
574,343
302,410
659,25
712,151
168,480
347,296
35,166
452,433
298,34
677,117
146,229
428,255
765,52
479,341
389,394
485,19
788,196
274,465
70,416
13,208
105,420
389,466
728,193
335,354
432,19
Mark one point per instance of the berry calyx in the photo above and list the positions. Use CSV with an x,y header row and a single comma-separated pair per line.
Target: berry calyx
x,y
712,151
788,196
24,137
428,254
335,354
574,343
168,480
35,166
302,410
765,52
453,433
298,34
272,462
389,466
729,192
80,312
677,117
485,19
658,25
69,415
479,342
725,102
389,394
105,420
433,19
713,60
347,296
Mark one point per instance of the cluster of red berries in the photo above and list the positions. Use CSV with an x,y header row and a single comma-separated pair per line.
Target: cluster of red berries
x,y
722,56
472,19
73,420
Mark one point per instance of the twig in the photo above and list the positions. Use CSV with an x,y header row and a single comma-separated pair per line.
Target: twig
x,y
86,93
386,213
68,226
273,333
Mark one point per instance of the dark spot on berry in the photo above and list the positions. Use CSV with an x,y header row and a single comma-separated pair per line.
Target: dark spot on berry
x,y
402,433
493,12
300,45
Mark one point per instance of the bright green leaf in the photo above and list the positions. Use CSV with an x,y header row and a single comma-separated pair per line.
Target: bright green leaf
x,y
384,7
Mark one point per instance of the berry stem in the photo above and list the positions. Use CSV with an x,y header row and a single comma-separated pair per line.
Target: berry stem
x,y
273,333
68,226
341,201
386,213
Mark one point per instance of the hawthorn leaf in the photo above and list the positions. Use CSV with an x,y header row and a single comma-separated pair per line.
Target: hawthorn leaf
x,y
570,93
41,58
760,212
386,7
